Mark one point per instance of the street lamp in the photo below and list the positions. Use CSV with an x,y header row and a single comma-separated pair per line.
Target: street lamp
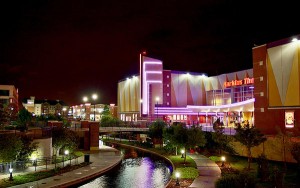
x,y
223,159
177,179
10,174
94,96
34,161
157,99
85,99
182,152
67,153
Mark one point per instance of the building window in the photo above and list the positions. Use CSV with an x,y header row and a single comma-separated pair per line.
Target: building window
x,y
168,76
168,103
4,92
168,94
168,85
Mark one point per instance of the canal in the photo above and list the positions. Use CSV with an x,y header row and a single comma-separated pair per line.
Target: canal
x,y
137,170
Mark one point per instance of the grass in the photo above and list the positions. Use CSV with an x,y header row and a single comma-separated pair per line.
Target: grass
x,y
21,179
179,162
30,177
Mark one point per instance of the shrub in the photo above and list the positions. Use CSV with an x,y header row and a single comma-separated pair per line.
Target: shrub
x,y
78,153
215,158
236,180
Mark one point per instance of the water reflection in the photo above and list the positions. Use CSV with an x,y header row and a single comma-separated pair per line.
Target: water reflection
x,y
134,172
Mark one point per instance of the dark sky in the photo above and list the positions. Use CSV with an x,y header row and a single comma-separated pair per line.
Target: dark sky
x,y
67,49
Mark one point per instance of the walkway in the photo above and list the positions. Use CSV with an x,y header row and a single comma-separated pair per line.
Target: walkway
x,y
101,161
209,172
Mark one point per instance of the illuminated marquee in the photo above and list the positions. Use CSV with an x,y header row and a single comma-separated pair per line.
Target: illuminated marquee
x,y
245,81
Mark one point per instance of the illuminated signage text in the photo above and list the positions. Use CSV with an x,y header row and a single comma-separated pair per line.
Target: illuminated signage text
x,y
245,81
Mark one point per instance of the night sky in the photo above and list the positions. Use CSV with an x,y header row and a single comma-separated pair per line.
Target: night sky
x,y
67,49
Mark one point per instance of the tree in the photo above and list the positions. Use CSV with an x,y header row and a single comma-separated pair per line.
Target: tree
x,y
28,147
63,138
108,120
295,151
249,136
3,115
284,137
222,141
10,147
196,137
7,114
156,131
24,119
178,135
105,111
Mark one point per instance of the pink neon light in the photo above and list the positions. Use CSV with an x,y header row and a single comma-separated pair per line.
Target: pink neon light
x,y
191,113
153,72
153,62
154,81
223,106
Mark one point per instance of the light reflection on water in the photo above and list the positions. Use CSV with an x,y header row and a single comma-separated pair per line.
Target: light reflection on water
x,y
140,172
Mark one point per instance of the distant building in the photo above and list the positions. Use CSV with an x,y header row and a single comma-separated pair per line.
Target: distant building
x,y
45,106
9,95
88,111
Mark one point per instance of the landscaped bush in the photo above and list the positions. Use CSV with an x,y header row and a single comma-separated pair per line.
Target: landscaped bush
x,y
78,153
236,180
215,158
9,127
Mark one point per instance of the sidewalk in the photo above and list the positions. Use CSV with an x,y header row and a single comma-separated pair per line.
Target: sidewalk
x,y
101,161
209,172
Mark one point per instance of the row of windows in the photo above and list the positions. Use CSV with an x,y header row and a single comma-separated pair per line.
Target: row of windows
x,y
229,95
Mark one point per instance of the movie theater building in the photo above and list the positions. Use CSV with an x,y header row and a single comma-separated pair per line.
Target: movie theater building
x,y
267,96
192,98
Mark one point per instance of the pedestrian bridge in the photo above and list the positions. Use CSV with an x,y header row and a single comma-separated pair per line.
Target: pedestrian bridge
x,y
227,130
122,129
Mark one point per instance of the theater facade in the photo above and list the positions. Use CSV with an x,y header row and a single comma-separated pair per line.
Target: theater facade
x,y
266,96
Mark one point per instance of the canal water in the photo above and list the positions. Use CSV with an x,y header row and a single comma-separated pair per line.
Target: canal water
x,y
137,170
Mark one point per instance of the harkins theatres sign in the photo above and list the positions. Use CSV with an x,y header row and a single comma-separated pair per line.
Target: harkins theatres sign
x,y
245,81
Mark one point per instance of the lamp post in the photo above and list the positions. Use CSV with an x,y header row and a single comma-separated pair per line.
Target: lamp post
x,y
182,152
67,154
157,99
85,99
94,96
10,174
177,179
223,159
34,161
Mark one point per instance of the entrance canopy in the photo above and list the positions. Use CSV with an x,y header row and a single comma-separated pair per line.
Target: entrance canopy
x,y
244,106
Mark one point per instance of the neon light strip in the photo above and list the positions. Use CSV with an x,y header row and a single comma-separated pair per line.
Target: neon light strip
x,y
173,108
154,81
190,113
223,106
152,62
154,72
